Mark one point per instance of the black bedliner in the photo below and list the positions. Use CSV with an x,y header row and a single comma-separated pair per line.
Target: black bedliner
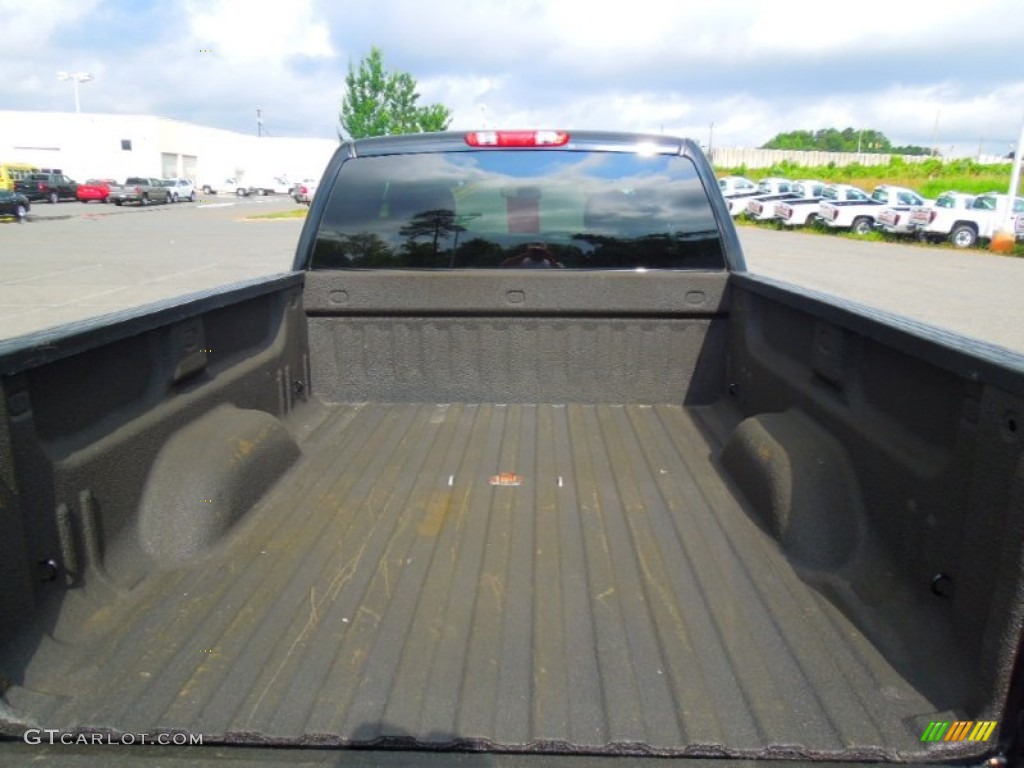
x,y
518,577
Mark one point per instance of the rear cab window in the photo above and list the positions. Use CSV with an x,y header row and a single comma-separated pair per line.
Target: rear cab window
x,y
502,208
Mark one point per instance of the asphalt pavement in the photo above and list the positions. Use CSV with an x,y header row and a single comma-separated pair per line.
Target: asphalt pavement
x,y
71,261
972,292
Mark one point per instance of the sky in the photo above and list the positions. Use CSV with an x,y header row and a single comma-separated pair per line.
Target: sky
x,y
730,72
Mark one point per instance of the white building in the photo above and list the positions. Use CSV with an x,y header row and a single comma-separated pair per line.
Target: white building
x,y
87,146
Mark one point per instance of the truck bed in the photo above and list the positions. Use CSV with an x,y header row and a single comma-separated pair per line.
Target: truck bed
x,y
517,576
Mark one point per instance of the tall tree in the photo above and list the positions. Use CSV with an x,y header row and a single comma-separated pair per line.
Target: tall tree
x,y
382,103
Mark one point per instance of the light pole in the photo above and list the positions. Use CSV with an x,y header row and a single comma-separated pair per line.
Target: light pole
x,y
76,78
1005,237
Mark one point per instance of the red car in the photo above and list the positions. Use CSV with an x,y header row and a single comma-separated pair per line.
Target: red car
x,y
95,189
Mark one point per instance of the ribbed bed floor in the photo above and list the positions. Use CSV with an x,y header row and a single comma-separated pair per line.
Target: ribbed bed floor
x,y
617,596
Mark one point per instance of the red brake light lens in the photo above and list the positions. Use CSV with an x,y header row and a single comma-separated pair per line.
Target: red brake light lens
x,y
517,138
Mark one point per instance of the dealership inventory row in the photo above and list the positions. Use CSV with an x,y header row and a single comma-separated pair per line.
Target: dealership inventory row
x,y
959,218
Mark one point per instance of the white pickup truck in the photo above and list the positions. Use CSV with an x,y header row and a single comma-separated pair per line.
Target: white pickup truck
x,y
762,207
859,216
944,210
798,213
270,185
899,219
965,219
735,190
896,221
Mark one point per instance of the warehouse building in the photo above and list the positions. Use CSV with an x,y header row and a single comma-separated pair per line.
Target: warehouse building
x,y
85,145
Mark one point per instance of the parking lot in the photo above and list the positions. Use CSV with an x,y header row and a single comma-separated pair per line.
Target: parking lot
x,y
73,261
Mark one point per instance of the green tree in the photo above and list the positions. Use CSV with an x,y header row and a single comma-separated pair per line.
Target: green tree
x,y
834,140
382,103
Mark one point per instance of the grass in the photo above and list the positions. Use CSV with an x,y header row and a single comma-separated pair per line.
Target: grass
x,y
930,178
298,213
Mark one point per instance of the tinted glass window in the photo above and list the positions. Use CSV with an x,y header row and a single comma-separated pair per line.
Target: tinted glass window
x,y
508,208
830,193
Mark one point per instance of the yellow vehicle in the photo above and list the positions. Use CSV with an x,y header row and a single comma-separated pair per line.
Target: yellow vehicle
x,y
11,172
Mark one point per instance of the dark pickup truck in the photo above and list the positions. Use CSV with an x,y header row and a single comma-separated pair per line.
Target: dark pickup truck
x,y
519,466
52,187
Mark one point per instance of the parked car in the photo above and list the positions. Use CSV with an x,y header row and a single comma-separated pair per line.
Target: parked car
x,y
304,191
95,189
762,207
229,184
804,211
14,204
273,185
896,221
181,189
735,190
920,219
859,216
51,187
965,222
895,218
142,190
237,186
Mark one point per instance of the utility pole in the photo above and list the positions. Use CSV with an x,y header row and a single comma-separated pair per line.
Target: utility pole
x,y
259,123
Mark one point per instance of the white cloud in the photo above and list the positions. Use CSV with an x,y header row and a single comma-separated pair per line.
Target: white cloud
x,y
29,26
752,67
256,31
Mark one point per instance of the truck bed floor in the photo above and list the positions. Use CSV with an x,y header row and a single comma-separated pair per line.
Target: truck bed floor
x,y
608,592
